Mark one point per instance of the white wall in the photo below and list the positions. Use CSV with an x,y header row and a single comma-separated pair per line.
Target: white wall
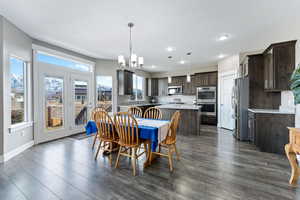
x,y
1,89
17,43
226,67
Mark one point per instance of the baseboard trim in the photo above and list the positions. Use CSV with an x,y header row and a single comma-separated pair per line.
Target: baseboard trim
x,y
7,156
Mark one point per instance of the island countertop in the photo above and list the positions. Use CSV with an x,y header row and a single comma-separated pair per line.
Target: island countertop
x,y
179,106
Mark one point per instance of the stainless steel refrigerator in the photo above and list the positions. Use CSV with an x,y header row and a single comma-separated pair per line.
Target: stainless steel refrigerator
x,y
240,105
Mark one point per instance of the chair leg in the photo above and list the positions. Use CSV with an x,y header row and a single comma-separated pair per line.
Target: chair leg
x,y
145,149
176,151
99,147
118,157
110,153
159,148
150,155
130,151
95,138
170,158
294,165
133,161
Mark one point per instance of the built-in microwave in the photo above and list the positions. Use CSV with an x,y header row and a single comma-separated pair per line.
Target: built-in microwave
x,y
206,94
173,90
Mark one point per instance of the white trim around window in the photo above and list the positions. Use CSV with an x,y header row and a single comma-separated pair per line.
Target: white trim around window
x,y
27,122
59,54
20,126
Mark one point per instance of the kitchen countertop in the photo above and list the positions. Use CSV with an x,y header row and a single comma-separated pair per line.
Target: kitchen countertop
x,y
270,111
141,104
180,106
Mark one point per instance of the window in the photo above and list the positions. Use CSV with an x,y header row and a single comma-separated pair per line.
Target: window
x,y
104,92
54,104
55,60
138,88
18,90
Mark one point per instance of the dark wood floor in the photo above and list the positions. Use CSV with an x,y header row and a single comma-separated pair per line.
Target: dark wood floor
x,y
213,166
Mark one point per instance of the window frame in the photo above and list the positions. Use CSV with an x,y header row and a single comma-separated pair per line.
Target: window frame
x,y
26,122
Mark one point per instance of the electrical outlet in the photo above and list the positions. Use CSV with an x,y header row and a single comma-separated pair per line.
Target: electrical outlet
x,y
22,133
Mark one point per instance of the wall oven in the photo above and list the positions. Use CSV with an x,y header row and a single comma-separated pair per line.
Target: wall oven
x,y
174,90
208,108
206,94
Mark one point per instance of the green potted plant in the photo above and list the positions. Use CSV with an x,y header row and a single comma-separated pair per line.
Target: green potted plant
x,y
295,84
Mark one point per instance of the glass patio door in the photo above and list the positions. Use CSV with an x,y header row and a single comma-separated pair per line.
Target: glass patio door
x,y
64,97
81,101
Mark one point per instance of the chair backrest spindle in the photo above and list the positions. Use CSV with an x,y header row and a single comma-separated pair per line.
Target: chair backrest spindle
x,y
153,113
127,129
104,125
136,111
171,137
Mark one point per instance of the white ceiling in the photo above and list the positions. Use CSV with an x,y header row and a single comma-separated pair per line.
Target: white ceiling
x,y
98,28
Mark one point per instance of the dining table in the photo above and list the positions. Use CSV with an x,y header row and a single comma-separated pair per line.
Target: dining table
x,y
153,131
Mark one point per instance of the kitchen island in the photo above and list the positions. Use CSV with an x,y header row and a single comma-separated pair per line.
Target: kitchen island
x,y
190,117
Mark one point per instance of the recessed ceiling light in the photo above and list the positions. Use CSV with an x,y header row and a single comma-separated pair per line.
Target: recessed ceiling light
x,y
170,49
221,55
182,62
223,37
153,66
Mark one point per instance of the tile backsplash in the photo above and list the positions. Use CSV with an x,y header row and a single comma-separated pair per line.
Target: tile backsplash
x,y
287,101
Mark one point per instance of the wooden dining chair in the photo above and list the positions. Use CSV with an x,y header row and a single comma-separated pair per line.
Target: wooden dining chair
x,y
170,142
153,113
106,133
92,117
292,149
135,111
128,132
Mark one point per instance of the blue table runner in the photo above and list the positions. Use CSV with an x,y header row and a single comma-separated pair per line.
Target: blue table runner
x,y
145,132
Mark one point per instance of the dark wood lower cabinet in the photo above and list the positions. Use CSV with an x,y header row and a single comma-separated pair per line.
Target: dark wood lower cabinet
x,y
189,120
269,131
208,120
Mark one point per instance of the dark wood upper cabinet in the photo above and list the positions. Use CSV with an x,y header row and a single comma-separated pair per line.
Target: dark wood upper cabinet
x,y
258,97
205,79
162,86
188,88
177,81
279,64
159,86
125,82
152,87
212,78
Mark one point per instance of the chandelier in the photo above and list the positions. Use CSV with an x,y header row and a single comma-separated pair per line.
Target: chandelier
x,y
134,62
